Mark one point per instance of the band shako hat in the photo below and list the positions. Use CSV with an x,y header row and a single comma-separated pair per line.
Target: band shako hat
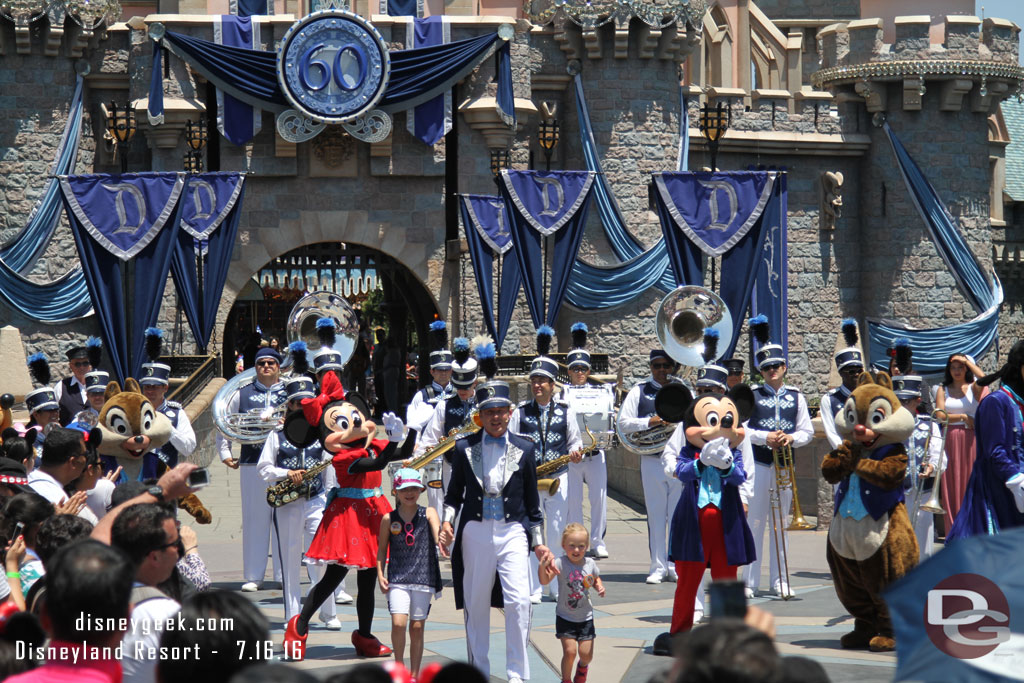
x,y
327,359
579,354
44,397
490,394
851,355
907,386
710,374
154,372
542,365
97,381
440,357
300,387
768,352
464,367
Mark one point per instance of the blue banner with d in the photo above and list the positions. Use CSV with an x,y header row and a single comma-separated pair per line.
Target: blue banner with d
x,y
486,223
124,227
959,616
542,204
719,214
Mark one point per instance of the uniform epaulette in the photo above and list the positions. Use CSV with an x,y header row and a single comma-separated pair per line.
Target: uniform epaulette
x,y
791,388
523,403
755,386
279,428
175,405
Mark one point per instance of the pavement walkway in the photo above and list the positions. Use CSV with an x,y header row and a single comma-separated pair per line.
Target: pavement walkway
x,y
627,620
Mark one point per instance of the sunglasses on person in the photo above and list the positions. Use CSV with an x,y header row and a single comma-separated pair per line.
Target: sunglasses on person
x,y
178,545
771,367
81,364
735,373
661,366
851,370
266,364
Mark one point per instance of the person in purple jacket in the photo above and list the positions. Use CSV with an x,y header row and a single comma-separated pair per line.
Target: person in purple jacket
x,y
994,500
708,528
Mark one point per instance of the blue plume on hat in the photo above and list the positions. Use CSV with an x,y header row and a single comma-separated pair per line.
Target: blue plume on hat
x,y
326,332
544,335
710,344
850,331
759,329
579,335
94,348
300,361
438,335
154,343
40,368
483,349
460,350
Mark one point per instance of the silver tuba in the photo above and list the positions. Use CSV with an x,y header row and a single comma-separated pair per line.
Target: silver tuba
x,y
253,427
682,317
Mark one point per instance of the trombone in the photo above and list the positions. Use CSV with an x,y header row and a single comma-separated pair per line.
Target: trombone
x,y
933,505
785,478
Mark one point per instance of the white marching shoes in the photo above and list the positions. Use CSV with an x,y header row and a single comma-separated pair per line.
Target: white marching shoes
x,y
343,598
783,590
748,592
331,624
601,553
655,578
250,587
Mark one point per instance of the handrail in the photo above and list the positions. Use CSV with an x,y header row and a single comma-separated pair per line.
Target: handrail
x,y
196,381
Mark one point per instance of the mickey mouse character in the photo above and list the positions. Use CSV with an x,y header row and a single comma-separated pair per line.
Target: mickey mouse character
x,y
708,527
347,535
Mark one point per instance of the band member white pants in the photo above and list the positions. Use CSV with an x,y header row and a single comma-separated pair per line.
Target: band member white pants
x,y
555,510
296,523
435,497
593,472
759,519
924,527
488,546
256,521
661,493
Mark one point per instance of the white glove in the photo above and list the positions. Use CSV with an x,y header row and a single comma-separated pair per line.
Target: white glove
x,y
394,427
1016,486
716,453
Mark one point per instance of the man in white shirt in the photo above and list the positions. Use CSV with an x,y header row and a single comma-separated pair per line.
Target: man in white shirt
x,y
148,534
62,462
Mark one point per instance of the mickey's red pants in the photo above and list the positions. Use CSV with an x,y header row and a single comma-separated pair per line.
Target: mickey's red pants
x,y
690,573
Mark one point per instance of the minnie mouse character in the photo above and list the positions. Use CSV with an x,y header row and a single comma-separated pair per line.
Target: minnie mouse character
x,y
347,535
708,528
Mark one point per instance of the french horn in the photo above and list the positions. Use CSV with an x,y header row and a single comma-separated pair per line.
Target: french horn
x,y
253,427
683,316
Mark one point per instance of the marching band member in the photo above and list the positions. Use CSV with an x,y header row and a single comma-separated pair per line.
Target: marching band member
x,y
734,366
70,391
849,364
154,382
779,419
661,493
264,394
296,522
591,470
921,465
440,389
43,409
552,427
449,414
901,362
494,490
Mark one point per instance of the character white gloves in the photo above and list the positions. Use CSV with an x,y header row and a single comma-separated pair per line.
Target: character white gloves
x,y
1016,486
394,427
716,453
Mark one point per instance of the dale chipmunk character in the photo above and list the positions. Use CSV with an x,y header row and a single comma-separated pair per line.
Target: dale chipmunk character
x,y
871,542
709,528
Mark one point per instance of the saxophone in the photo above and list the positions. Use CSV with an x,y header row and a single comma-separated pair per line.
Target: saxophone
x,y
472,425
551,466
284,491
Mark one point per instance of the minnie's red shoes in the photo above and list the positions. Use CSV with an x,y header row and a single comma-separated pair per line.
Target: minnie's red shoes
x,y
294,644
369,647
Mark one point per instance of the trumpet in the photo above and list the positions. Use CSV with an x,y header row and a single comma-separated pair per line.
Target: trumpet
x,y
472,425
933,505
285,491
550,467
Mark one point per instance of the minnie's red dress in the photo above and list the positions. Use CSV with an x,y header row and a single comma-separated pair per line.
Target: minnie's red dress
x,y
347,534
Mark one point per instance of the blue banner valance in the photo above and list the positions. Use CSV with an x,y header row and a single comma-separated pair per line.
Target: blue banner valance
x,y
237,121
123,214
486,215
541,204
208,199
430,121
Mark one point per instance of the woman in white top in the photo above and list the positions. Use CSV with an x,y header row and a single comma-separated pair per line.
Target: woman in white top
x,y
958,396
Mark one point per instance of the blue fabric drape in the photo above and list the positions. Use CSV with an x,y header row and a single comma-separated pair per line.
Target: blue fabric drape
x,y
155,103
430,121
117,285
546,203
506,96
934,346
593,287
416,75
482,256
21,252
237,121
402,8
689,208
771,295
251,8
212,252
64,299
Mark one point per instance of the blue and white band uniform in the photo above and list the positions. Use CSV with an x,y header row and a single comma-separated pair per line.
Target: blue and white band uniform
x,y
831,403
421,408
295,523
661,493
592,470
256,514
181,445
783,410
917,491
555,432
448,415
